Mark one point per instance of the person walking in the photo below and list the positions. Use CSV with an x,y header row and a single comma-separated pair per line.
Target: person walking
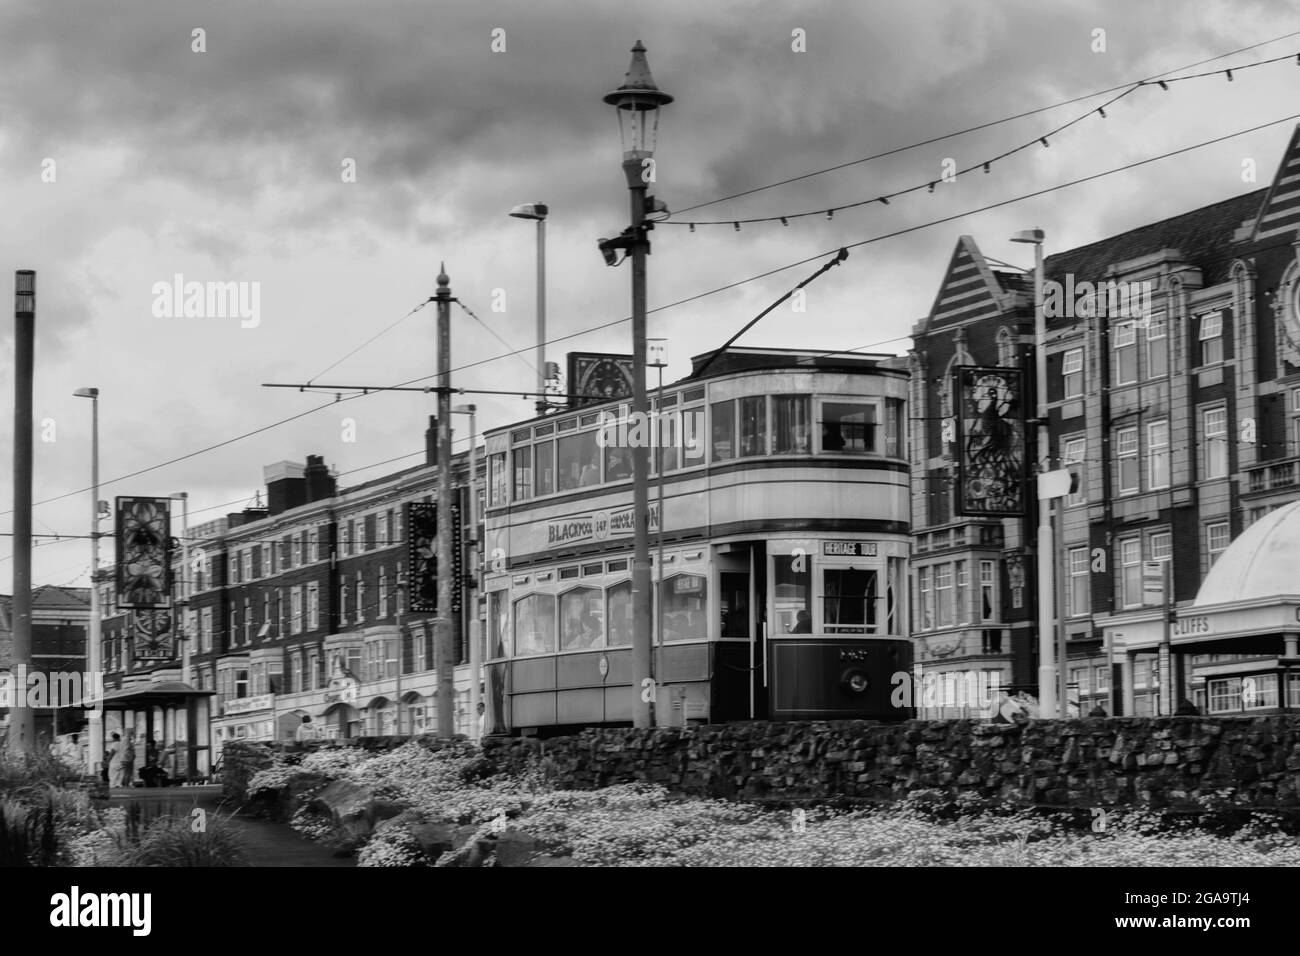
x,y
113,761
127,766
305,731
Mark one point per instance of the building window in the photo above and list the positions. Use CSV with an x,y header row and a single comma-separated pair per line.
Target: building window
x,y
1072,373
1211,338
381,528
268,568
248,565
361,596
313,606
1073,451
1125,371
988,591
205,629
248,621
1158,455
1077,592
943,593
234,569
848,428
523,457
295,610
1157,346
296,544
343,605
791,428
296,684
383,593
1217,539
535,625
313,545
962,593
1126,460
1101,679
1130,566
234,624
1161,546
1214,423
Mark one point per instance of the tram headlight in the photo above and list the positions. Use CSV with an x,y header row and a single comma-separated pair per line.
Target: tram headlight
x,y
855,680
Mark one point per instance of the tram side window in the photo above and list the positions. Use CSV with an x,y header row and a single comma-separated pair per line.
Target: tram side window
x,y
523,472
753,426
849,600
684,604
618,462
724,430
535,625
619,598
669,439
581,619
848,428
793,597
579,461
692,436
544,467
497,480
895,446
499,624
791,425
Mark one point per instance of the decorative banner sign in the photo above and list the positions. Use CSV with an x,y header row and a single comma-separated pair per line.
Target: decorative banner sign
x,y
422,535
991,459
599,377
596,527
152,636
144,574
851,549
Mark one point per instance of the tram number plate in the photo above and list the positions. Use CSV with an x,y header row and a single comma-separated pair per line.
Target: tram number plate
x,y
853,654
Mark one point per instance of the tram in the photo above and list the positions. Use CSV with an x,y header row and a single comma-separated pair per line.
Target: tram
x,y
779,512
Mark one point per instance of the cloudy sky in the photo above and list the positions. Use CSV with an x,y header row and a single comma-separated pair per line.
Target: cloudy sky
x,y
227,165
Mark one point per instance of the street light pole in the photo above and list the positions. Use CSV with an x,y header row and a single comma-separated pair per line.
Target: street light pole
x,y
638,101
443,656
656,349
94,662
475,628
538,211
1046,545
22,721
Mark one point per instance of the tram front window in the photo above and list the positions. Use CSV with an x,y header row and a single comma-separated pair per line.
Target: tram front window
x,y
849,601
683,599
848,428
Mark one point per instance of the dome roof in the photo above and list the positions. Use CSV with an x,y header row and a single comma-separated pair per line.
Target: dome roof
x,y
1263,562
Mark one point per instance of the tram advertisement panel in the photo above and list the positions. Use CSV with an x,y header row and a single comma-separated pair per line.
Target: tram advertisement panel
x,y
991,461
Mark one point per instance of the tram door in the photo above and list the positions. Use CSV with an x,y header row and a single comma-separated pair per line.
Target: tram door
x,y
738,662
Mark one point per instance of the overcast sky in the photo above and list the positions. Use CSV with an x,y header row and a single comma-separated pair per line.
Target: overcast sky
x,y
226,165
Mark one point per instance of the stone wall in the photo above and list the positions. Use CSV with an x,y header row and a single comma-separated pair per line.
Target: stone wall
x,y
1162,763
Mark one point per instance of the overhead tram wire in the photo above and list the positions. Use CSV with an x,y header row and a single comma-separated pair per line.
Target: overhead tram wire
x,y
383,331
701,295
984,126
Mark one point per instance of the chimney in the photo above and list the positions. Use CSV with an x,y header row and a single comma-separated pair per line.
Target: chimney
x,y
320,483
431,441
286,487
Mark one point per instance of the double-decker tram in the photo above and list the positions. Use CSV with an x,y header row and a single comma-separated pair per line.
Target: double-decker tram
x,y
779,504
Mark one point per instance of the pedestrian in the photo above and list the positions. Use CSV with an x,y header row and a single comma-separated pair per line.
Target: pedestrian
x,y
127,764
1186,709
305,731
482,721
113,761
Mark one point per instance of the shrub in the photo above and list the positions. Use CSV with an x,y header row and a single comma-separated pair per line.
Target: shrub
x,y
170,840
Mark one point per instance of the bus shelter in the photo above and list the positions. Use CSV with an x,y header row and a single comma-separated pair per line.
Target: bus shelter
x,y
174,720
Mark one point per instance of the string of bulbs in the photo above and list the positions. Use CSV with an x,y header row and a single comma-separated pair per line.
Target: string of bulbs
x,y
986,164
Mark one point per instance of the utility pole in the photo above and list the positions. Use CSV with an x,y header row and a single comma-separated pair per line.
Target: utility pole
x,y
443,653
94,661
22,722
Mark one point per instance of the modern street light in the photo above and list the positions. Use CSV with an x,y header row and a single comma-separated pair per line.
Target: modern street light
x,y
538,211
1046,545
638,101
94,663
475,627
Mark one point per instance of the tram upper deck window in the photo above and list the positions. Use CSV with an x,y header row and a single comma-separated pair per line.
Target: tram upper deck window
x,y
535,625
582,622
753,426
791,424
523,472
724,430
848,600
618,463
848,428
683,599
497,480
499,625
544,467
668,438
619,599
579,461
692,436
792,597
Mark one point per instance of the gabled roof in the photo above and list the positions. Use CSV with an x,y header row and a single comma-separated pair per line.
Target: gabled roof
x,y
1280,213
53,596
1204,236
969,291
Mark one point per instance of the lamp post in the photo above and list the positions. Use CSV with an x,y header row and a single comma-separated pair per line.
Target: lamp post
x,y
657,352
1046,546
186,586
537,211
475,639
637,103
94,664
